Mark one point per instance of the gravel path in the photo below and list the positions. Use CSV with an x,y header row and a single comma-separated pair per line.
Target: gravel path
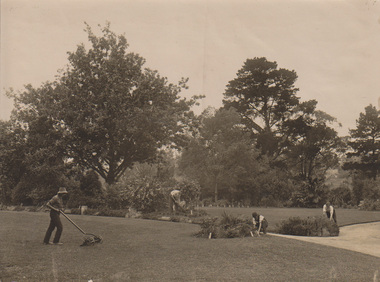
x,y
363,238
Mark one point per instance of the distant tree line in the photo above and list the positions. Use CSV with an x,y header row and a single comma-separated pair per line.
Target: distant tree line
x,y
119,135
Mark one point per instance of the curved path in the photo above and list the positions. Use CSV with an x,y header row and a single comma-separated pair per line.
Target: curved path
x,y
363,238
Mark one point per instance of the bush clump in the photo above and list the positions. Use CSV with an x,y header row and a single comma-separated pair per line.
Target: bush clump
x,y
311,226
370,205
101,212
228,226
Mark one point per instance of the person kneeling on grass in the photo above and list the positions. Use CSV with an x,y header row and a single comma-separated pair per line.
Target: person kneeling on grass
x,y
260,223
55,205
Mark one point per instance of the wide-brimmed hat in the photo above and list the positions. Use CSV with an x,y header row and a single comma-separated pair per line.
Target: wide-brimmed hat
x,y
62,190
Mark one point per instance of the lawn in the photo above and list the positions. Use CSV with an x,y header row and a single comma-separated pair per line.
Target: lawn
x,y
146,250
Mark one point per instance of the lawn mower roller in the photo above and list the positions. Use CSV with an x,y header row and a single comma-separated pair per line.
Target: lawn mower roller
x,y
89,239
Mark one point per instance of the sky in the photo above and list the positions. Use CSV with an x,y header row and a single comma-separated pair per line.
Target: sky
x,y
333,45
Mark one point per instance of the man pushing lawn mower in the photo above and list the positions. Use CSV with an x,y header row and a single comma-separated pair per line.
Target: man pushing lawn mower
x,y
56,208
55,205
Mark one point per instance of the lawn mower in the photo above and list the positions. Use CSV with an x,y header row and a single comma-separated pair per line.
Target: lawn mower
x,y
89,239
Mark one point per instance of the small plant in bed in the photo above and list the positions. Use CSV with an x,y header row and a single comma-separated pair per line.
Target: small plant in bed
x,y
310,226
227,226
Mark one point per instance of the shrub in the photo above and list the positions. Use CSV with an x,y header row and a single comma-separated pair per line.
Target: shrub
x,y
143,195
77,198
75,211
222,203
270,201
207,202
228,226
341,196
309,194
112,213
311,226
370,205
19,208
190,191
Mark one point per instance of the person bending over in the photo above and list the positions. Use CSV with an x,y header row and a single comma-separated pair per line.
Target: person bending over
x,y
260,223
329,211
175,203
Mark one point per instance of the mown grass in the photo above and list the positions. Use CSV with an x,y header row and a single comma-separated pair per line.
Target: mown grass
x,y
146,250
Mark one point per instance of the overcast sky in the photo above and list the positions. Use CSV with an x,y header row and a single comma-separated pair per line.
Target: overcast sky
x,y
334,46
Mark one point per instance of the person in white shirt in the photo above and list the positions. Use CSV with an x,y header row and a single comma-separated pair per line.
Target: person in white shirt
x,y
260,223
175,203
329,211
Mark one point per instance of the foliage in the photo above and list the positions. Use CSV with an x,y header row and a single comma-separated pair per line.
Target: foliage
x,y
77,198
105,111
227,226
90,184
365,143
101,211
89,193
295,136
221,156
309,194
190,191
222,203
341,196
271,187
195,216
364,188
12,147
311,226
31,166
264,96
140,189
315,145
110,212
370,205
270,201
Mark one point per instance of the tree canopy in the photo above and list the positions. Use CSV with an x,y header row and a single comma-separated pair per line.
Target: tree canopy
x,y
264,95
106,110
222,156
364,143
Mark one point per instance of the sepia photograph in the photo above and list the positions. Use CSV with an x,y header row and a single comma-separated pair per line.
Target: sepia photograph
x,y
189,140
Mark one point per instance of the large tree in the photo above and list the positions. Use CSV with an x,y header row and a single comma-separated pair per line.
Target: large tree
x,y
31,162
12,152
265,96
314,148
364,143
221,157
315,144
108,111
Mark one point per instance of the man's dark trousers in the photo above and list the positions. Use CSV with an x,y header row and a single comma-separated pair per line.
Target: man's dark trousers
x,y
55,221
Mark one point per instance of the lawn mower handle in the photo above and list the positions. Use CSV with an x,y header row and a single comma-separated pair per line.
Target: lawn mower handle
x,y
69,219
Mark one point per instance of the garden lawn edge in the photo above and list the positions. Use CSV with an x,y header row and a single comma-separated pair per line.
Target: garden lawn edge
x,y
363,238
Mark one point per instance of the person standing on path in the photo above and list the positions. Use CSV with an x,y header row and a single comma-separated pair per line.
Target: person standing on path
x,y
55,205
329,211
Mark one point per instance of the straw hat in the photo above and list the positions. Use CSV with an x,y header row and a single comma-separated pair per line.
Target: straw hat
x,y
62,190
